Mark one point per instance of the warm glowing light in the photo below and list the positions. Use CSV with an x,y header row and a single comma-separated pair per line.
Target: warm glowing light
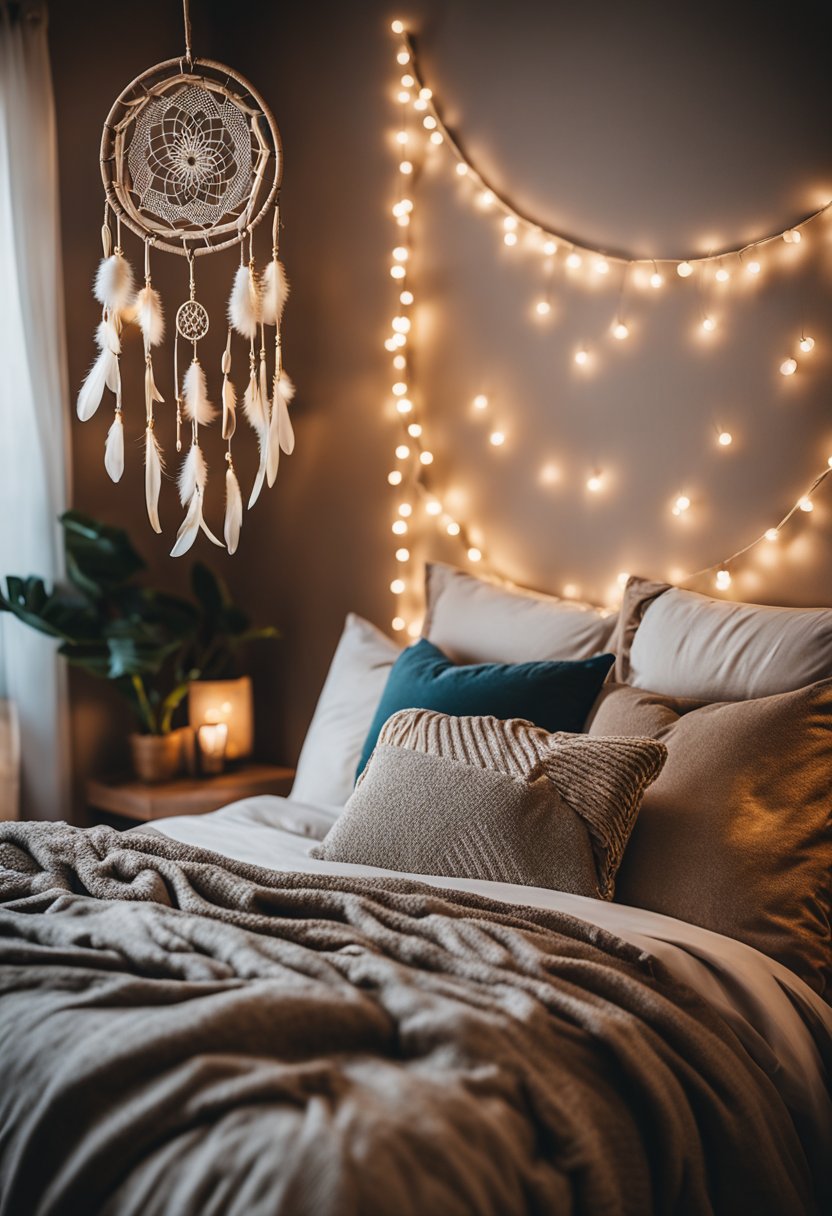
x,y
437,138
681,505
594,483
426,457
414,629
684,270
496,439
395,478
414,430
399,388
829,462
390,344
397,272
581,357
622,579
788,367
807,344
433,506
401,253
656,280
543,308
510,238
402,451
722,275
549,248
403,57
573,260
602,266
708,324
806,504
620,330
753,267
481,402
425,93
486,198
402,555
452,528
397,623
405,510
399,339
510,223
474,555
402,137
570,591
792,236
404,405
403,96
462,168
400,363
429,123
403,221
398,586
419,104
401,325
405,167
407,81
725,439
399,527
549,474
397,27
722,580
772,534
406,297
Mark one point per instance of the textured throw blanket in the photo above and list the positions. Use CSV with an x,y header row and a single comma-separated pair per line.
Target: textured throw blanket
x,y
188,1035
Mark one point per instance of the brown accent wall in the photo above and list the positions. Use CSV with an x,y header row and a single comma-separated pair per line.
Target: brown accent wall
x,y
664,128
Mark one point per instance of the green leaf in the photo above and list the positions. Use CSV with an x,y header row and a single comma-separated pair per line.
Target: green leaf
x,y
57,615
98,557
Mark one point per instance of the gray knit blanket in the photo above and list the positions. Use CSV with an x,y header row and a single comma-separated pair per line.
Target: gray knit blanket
x,y
189,1035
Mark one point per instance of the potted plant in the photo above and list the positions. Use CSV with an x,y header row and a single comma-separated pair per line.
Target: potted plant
x,y
148,643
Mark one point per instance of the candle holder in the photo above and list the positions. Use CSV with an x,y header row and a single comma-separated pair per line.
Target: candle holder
x,y
212,740
229,702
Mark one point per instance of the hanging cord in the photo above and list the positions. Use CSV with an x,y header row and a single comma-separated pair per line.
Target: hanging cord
x,y
186,17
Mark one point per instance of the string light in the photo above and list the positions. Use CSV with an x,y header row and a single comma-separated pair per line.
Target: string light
x,y
806,504
474,554
543,308
594,483
399,527
574,260
684,270
620,330
398,623
725,439
806,344
788,367
772,534
656,279
708,324
722,275
496,439
753,267
414,430
581,357
722,580
480,402
426,457
792,236
395,477
402,555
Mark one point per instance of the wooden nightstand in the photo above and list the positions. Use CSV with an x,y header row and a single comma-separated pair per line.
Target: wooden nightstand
x,y
140,803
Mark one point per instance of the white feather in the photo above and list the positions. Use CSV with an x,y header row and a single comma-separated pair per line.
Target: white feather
x,y
114,282
107,335
283,394
213,539
273,444
233,510
153,465
149,316
151,392
193,474
275,292
114,449
263,442
244,304
195,395
189,528
92,390
229,409
253,405
112,371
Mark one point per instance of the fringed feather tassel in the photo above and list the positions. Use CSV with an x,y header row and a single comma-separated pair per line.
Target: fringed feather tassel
x,y
255,411
103,374
281,433
195,396
233,508
149,316
114,282
153,465
193,477
114,448
275,292
245,302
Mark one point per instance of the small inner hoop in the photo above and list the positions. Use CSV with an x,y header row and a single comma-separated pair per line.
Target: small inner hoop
x,y
192,321
191,156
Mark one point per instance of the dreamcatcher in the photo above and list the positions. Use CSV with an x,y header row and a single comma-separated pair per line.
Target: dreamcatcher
x,y
192,161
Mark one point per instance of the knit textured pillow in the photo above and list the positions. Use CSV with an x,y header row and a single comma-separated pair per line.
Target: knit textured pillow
x,y
498,800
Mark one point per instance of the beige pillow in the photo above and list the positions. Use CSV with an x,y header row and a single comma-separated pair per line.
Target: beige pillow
x,y
735,835
474,620
683,644
498,800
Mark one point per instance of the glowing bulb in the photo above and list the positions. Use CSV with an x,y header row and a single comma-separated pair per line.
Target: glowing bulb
x,y
788,367
570,591
419,104
404,405
684,270
433,506
406,297
806,504
656,280
400,253
405,167
620,331
543,308
405,510
708,324
402,137
397,623
496,439
400,363
401,325
406,204
414,430
429,122
510,223
807,344
389,344
399,527
474,555
398,586
549,248
399,340
772,534
681,504
452,528
722,275
829,462
426,457
510,238
397,272
549,474
407,81
622,579
403,57
573,261
403,96
602,266
725,439
753,267
402,555
402,451
394,478
399,388
722,580
426,93
486,198
437,137
581,357
462,168
594,483
481,402
414,629
792,236
403,221
397,27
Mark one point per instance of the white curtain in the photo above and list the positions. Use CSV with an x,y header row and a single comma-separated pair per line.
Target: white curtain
x,y
33,399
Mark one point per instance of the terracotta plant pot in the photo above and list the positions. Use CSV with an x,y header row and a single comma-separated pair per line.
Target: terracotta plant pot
x,y
156,758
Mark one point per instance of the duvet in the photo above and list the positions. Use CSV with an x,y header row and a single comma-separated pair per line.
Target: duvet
x,y
183,1033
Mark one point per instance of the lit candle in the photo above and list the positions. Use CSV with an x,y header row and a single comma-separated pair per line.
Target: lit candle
x,y
212,738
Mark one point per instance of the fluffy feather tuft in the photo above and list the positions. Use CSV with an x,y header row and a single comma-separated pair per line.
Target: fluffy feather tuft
x,y
114,448
283,394
195,396
153,465
192,480
107,336
233,510
193,474
114,282
253,405
149,316
275,292
99,377
245,303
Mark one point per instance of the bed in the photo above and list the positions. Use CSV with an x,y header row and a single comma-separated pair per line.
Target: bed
x,y
216,1016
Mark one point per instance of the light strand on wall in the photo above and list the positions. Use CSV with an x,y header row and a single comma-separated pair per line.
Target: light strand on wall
x,y
413,454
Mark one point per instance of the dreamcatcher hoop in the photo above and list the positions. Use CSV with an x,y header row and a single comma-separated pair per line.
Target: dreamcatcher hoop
x,y
185,155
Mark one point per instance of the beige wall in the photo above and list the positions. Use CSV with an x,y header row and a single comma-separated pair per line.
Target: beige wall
x,y
667,128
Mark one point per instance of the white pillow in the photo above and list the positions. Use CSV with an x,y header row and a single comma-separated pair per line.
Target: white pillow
x,y
683,644
475,621
348,701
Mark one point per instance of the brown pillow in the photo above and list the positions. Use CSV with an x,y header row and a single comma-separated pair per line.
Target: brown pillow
x,y
505,801
736,833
